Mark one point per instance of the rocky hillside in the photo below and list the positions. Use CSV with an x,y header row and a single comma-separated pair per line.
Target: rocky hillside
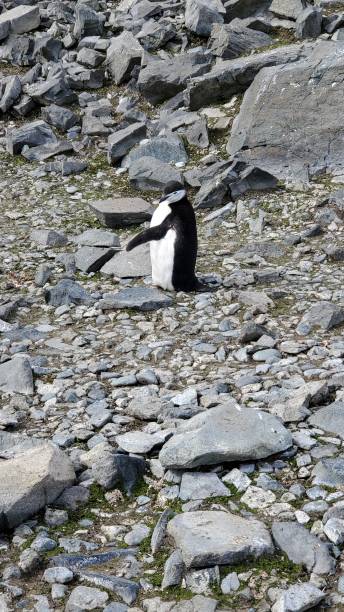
x,y
166,452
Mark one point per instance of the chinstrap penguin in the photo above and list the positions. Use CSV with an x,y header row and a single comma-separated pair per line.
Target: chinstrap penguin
x,y
173,242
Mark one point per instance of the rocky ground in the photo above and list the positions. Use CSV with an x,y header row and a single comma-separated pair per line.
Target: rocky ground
x,y
168,452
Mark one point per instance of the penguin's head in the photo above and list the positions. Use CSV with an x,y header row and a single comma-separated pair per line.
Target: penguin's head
x,y
173,192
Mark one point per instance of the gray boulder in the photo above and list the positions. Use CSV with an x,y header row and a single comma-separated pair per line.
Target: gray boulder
x,y
150,174
163,79
87,22
132,264
225,433
288,9
195,485
231,41
303,548
324,315
121,141
298,597
200,15
86,598
330,472
244,8
330,419
30,481
169,149
208,538
55,90
32,134
138,298
16,376
123,54
67,291
121,212
299,145
19,20
11,93
60,117
234,76
308,23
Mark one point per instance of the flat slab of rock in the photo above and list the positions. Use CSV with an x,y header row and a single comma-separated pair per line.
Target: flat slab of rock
x,y
225,433
298,597
330,418
299,145
329,472
30,481
195,485
132,264
20,19
31,134
98,238
209,538
16,376
138,298
91,259
121,212
140,442
325,315
303,548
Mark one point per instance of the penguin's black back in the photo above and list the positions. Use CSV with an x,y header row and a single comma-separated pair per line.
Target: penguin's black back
x,y
183,221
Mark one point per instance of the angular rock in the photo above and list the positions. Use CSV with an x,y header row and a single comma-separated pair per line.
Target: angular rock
x,y
308,23
86,598
330,418
225,433
163,79
139,442
231,41
87,22
330,473
11,93
195,485
173,570
123,54
20,19
169,149
91,259
201,15
303,548
298,597
67,292
132,264
121,141
280,150
234,76
47,237
324,315
288,9
30,481
125,589
32,134
209,538
121,212
16,376
55,90
98,238
150,174
61,118
138,298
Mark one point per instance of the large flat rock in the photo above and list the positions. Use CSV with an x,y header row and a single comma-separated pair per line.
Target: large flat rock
x,y
227,432
16,376
20,19
138,298
129,264
209,538
291,119
30,480
121,212
330,418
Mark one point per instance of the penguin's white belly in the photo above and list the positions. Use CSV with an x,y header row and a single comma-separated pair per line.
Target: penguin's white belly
x,y
162,258
162,251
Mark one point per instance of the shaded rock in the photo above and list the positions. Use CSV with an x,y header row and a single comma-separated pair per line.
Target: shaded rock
x,y
121,141
91,259
125,589
87,22
329,472
208,538
195,485
308,23
121,212
163,79
169,149
138,298
77,562
11,93
150,174
16,376
330,418
123,54
32,134
231,41
47,237
67,292
173,570
288,9
55,90
225,433
201,15
132,264
139,442
30,481
303,548
61,118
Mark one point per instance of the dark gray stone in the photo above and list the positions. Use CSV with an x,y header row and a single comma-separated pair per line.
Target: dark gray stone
x,y
201,15
125,589
67,291
19,20
55,90
324,315
61,118
138,298
87,22
308,23
121,141
11,93
232,40
91,259
151,174
31,134
123,54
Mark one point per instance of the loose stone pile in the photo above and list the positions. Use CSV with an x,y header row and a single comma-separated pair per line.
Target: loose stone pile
x,y
168,452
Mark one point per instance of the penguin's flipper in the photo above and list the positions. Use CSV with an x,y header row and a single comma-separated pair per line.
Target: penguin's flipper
x,y
153,233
